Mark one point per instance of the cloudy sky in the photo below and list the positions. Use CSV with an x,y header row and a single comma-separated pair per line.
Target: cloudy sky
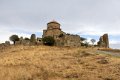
x,y
87,18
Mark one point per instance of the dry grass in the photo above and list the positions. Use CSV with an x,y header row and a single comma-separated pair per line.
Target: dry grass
x,y
56,63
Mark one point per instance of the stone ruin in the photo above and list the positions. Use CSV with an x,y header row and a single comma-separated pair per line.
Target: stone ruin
x,y
54,30
7,43
61,38
3,45
32,41
104,41
39,41
22,42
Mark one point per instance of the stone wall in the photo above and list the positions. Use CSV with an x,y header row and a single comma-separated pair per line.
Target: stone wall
x,y
61,38
39,41
72,40
4,45
23,42
104,41
68,40
54,32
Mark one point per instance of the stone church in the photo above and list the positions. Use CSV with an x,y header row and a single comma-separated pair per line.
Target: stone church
x,y
61,38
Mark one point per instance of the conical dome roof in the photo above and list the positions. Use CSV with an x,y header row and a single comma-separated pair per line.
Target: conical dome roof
x,y
53,21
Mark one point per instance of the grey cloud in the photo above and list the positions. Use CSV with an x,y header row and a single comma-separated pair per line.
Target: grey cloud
x,y
74,15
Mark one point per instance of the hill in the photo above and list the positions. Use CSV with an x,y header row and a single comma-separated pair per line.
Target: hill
x,y
57,63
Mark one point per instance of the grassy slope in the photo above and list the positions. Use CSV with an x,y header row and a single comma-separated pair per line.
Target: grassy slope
x,y
55,63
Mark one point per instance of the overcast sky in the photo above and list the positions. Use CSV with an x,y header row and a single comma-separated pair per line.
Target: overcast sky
x,y
88,18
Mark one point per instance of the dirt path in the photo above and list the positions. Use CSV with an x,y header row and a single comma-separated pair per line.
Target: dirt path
x,y
116,54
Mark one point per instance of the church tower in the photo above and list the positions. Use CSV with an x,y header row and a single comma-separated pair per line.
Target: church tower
x,y
53,29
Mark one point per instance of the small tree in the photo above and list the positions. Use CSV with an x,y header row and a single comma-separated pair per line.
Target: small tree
x,y
93,41
48,40
61,35
83,39
14,38
86,43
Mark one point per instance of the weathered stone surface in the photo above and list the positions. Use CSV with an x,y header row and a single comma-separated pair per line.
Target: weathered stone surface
x,y
26,42
33,38
53,25
2,46
104,41
7,43
39,41
72,40
61,38
22,42
17,42
21,38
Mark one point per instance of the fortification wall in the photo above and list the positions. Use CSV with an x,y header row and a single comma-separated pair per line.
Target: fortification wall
x,y
72,40
104,41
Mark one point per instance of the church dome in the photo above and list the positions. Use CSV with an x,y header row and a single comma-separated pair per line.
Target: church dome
x,y
53,21
53,25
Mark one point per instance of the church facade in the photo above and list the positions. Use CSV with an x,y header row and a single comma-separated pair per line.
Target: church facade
x,y
61,38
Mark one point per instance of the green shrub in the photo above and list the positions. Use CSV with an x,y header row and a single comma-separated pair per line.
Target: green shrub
x,y
61,35
26,38
48,40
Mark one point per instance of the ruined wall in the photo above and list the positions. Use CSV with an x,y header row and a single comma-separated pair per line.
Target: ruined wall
x,y
23,42
44,33
54,32
72,40
61,38
39,41
104,41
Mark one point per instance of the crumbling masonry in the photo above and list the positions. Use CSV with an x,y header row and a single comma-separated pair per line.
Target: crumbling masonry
x,y
61,38
104,41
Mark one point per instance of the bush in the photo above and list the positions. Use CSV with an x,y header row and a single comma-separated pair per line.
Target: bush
x,y
26,38
48,40
61,35
14,38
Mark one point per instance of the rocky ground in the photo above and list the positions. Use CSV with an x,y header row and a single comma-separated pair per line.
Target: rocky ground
x,y
57,63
